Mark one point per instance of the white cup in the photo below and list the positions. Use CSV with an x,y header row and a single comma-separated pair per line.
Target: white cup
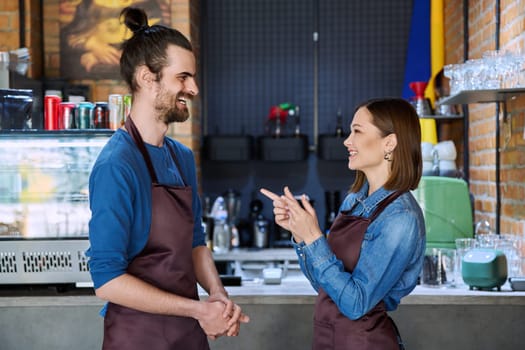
x,y
446,150
426,151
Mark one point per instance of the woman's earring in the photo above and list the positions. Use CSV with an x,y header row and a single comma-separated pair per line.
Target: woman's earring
x,y
388,156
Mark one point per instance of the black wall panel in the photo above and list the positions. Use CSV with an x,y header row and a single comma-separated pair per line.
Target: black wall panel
x,y
362,49
259,53
256,54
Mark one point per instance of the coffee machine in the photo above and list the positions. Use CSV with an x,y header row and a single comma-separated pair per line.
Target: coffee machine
x,y
447,209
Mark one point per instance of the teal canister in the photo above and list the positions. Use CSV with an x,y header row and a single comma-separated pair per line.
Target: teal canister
x,y
483,268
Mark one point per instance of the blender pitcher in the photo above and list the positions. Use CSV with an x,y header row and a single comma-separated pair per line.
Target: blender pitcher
x,y
422,104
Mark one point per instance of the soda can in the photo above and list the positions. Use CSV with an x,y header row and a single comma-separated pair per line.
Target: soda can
x,y
51,112
127,107
101,115
84,115
116,111
66,116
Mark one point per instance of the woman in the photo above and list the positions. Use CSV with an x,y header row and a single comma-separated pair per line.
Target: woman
x,y
374,251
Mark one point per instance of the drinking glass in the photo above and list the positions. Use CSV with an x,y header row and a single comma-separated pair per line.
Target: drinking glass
x,y
510,245
484,235
439,268
463,245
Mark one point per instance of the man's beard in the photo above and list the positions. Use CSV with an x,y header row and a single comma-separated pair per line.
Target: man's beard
x,y
167,110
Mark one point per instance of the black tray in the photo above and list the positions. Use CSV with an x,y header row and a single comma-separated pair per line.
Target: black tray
x,y
517,283
228,147
283,148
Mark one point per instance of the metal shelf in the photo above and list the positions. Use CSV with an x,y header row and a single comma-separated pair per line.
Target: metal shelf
x,y
482,96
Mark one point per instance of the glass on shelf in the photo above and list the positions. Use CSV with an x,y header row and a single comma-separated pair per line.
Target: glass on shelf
x,y
496,69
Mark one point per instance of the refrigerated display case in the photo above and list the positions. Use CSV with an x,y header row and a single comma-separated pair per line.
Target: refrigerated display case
x,y
44,210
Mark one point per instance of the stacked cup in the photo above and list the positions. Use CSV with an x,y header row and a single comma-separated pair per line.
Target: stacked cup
x,y
446,153
426,152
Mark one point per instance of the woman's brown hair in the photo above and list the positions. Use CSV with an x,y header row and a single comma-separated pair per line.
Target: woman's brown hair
x,y
397,116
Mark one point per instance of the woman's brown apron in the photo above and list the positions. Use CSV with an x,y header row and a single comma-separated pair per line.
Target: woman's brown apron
x,y
333,330
165,262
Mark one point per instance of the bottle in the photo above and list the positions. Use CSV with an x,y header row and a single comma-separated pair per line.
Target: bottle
x,y
221,229
277,131
260,226
294,112
332,203
207,222
260,229
339,124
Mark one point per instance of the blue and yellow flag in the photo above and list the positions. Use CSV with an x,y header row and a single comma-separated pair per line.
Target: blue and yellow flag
x,y
417,65
437,46
425,55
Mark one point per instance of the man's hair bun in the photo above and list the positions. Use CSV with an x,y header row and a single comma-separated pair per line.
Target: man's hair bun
x,y
135,18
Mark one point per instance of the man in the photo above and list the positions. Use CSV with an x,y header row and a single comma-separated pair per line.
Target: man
x,y
147,248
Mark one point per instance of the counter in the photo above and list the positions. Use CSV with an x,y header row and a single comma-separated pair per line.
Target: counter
x,y
281,316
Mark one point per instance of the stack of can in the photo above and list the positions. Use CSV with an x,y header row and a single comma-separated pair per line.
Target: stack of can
x,y
60,115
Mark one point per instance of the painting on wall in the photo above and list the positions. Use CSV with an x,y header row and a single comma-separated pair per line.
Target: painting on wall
x,y
91,34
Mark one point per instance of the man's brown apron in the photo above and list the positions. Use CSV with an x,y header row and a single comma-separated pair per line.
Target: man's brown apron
x,y
165,262
333,330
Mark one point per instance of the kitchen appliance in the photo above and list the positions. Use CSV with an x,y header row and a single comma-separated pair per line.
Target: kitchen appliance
x,y
421,103
232,200
447,209
483,268
423,108
44,209
260,226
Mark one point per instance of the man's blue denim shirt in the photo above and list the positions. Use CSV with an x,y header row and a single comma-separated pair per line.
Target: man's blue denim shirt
x,y
390,261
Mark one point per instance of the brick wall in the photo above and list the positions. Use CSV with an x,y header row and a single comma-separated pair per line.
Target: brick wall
x,y
9,25
10,31
482,117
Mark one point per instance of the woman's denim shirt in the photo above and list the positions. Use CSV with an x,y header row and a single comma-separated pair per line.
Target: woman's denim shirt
x,y
390,261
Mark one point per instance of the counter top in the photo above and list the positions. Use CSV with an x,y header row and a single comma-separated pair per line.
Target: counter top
x,y
275,254
294,290
299,291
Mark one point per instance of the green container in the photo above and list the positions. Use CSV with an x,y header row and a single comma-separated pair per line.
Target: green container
x,y
447,209
484,268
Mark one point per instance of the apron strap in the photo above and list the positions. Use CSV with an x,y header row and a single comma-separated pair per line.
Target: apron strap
x,y
382,205
177,163
391,197
135,135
